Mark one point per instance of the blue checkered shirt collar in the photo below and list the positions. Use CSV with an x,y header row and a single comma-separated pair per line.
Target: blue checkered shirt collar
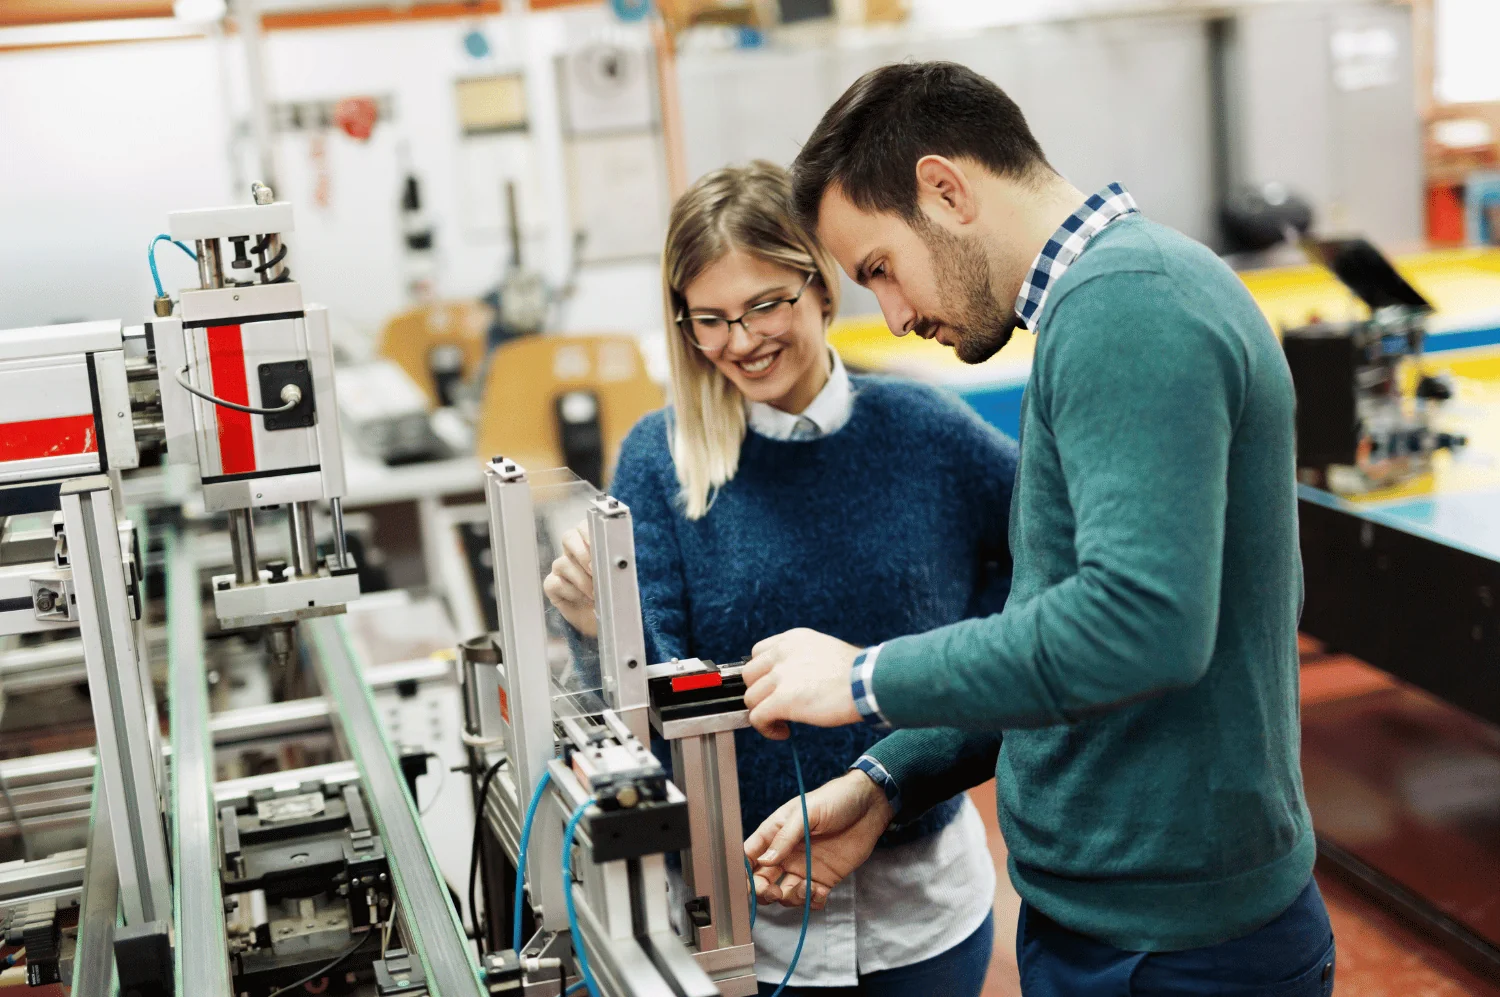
x,y
1065,246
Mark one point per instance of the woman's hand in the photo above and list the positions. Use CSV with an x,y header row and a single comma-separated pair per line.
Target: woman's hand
x,y
847,816
570,584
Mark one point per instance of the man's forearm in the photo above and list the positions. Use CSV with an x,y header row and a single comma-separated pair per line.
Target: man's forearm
x,y
921,768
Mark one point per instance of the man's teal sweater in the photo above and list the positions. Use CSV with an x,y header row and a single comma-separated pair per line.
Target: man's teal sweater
x,y
1144,672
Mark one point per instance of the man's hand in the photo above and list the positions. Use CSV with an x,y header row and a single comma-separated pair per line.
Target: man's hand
x,y
847,816
570,584
800,675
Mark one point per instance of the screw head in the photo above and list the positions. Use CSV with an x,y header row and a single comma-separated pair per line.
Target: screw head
x,y
622,564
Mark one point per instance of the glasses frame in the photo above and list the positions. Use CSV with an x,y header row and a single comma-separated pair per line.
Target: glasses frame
x,y
685,318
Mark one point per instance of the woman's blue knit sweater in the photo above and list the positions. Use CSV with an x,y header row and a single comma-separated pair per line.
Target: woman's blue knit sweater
x,y
896,524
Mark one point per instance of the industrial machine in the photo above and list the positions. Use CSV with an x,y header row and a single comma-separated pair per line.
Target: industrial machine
x,y
571,796
235,381
275,847
1361,425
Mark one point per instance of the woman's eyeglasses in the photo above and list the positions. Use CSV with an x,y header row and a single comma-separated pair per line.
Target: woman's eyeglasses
x,y
767,320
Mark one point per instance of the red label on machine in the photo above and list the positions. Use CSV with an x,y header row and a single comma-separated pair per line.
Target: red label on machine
x,y
226,362
64,436
504,705
687,683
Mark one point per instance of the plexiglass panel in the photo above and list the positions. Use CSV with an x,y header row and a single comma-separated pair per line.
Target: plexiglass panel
x,y
562,500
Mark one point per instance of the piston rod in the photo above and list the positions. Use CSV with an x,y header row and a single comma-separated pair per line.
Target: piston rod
x,y
304,545
242,542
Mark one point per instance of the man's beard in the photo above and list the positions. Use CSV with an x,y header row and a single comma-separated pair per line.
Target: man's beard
x,y
981,325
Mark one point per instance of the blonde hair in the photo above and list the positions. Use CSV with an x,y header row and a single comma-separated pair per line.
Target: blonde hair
x,y
748,208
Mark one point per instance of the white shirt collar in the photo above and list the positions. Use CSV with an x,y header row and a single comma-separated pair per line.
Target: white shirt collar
x,y
825,416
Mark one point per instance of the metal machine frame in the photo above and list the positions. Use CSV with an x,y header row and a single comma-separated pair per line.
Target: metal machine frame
x,y
237,380
602,761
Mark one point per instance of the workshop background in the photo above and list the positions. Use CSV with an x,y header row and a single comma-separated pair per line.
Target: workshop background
x,y
481,191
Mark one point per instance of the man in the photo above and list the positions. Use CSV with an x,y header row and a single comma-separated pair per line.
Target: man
x,y
1144,672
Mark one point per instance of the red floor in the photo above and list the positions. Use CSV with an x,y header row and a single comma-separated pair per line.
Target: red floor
x,y
1379,956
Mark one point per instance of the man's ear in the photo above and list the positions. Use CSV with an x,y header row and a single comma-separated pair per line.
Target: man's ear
x,y
945,190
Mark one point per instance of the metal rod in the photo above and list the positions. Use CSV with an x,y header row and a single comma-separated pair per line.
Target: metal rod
x,y
304,544
427,910
202,961
242,541
340,539
124,708
252,33
210,269
93,962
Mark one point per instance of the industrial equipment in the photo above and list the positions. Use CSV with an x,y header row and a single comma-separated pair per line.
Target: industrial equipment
x,y
1359,426
274,847
236,380
560,729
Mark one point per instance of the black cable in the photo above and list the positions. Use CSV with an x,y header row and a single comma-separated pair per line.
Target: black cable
x,y
442,781
285,406
484,793
330,967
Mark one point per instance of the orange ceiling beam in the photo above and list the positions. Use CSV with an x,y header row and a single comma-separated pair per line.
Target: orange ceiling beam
x,y
14,13
343,17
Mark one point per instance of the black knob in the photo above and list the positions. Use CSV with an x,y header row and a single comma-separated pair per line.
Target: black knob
x,y
1434,388
277,569
241,261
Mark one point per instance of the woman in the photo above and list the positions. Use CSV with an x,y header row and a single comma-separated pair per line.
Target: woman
x,y
779,492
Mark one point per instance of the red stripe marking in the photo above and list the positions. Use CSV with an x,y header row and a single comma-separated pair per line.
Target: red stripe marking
x,y
226,361
63,436
687,683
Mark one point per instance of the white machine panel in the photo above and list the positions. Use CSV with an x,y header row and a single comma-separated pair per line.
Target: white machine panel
x,y
330,449
47,426
225,362
221,496
238,303
222,223
282,602
51,340
115,424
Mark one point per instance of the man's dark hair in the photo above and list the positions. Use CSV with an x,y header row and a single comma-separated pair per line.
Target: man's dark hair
x,y
869,142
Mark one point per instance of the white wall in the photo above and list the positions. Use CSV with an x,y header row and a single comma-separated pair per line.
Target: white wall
x,y
98,143
1120,99
1465,58
96,146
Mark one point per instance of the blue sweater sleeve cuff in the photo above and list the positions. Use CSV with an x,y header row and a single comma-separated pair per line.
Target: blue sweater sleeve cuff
x,y
877,772
862,684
